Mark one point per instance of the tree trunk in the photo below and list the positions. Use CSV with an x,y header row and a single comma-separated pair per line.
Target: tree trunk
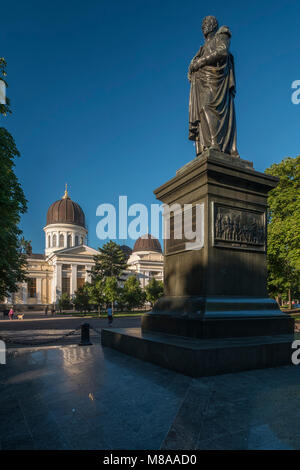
x,y
290,299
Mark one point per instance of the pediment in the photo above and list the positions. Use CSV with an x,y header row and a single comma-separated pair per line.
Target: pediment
x,y
81,250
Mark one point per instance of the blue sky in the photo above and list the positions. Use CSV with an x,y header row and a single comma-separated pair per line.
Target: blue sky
x,y
100,95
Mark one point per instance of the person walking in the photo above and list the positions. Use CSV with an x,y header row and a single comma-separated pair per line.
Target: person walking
x,y
53,310
109,316
46,310
11,314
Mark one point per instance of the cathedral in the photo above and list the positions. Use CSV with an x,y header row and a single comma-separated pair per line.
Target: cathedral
x,y
67,260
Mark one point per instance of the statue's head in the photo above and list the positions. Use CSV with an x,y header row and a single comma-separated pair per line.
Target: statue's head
x,y
209,25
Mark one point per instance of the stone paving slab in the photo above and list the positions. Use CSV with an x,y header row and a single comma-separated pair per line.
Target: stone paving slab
x,y
91,397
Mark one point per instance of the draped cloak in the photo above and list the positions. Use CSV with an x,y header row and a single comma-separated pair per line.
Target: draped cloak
x,y
211,105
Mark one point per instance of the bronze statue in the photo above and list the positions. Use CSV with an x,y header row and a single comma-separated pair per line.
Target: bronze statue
x,y
212,122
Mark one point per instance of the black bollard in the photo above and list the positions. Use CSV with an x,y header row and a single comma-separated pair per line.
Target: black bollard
x,y
85,335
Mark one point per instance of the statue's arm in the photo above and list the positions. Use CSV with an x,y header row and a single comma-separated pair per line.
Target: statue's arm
x,y
220,53
193,62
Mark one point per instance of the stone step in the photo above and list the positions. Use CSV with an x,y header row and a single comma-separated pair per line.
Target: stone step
x,y
201,357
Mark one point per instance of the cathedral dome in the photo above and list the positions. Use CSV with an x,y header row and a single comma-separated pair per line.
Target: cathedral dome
x,y
65,211
147,243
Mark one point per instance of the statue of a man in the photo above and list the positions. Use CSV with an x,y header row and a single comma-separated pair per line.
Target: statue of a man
x,y
212,122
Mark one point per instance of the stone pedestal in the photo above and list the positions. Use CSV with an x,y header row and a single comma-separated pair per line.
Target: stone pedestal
x,y
215,286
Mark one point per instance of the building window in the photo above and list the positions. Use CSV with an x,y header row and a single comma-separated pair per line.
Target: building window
x,y
69,241
76,240
61,240
54,240
65,287
31,287
66,268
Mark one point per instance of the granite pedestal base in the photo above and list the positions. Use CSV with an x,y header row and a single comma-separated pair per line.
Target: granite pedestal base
x,y
215,316
197,358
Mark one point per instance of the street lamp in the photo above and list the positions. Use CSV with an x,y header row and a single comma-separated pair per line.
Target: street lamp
x,y
2,91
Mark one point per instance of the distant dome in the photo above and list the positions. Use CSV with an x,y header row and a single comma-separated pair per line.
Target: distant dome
x,y
147,243
65,211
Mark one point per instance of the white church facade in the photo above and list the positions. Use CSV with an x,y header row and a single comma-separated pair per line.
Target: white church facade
x,y
67,261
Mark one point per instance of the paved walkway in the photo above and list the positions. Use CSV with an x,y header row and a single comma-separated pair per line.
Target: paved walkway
x,y
73,397
58,331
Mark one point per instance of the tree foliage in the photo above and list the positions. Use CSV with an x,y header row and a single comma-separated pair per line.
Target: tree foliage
x,y
81,299
25,246
12,205
110,261
64,302
111,290
97,293
132,293
154,290
284,229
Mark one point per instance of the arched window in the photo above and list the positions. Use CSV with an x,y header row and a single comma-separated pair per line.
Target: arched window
x,y
54,240
49,241
61,239
69,241
76,240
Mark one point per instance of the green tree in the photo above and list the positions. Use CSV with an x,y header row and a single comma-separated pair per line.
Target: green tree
x,y
64,301
97,294
12,205
111,290
133,294
25,246
154,290
109,262
284,229
81,299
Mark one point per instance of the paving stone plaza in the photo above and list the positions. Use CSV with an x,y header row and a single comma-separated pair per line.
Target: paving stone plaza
x,y
71,397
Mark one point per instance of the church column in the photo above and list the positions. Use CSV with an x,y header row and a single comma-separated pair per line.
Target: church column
x,y
73,239
39,290
58,281
25,293
73,278
87,274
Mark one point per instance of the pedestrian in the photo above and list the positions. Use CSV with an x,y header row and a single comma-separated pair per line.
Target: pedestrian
x,y
53,310
11,313
109,316
46,310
